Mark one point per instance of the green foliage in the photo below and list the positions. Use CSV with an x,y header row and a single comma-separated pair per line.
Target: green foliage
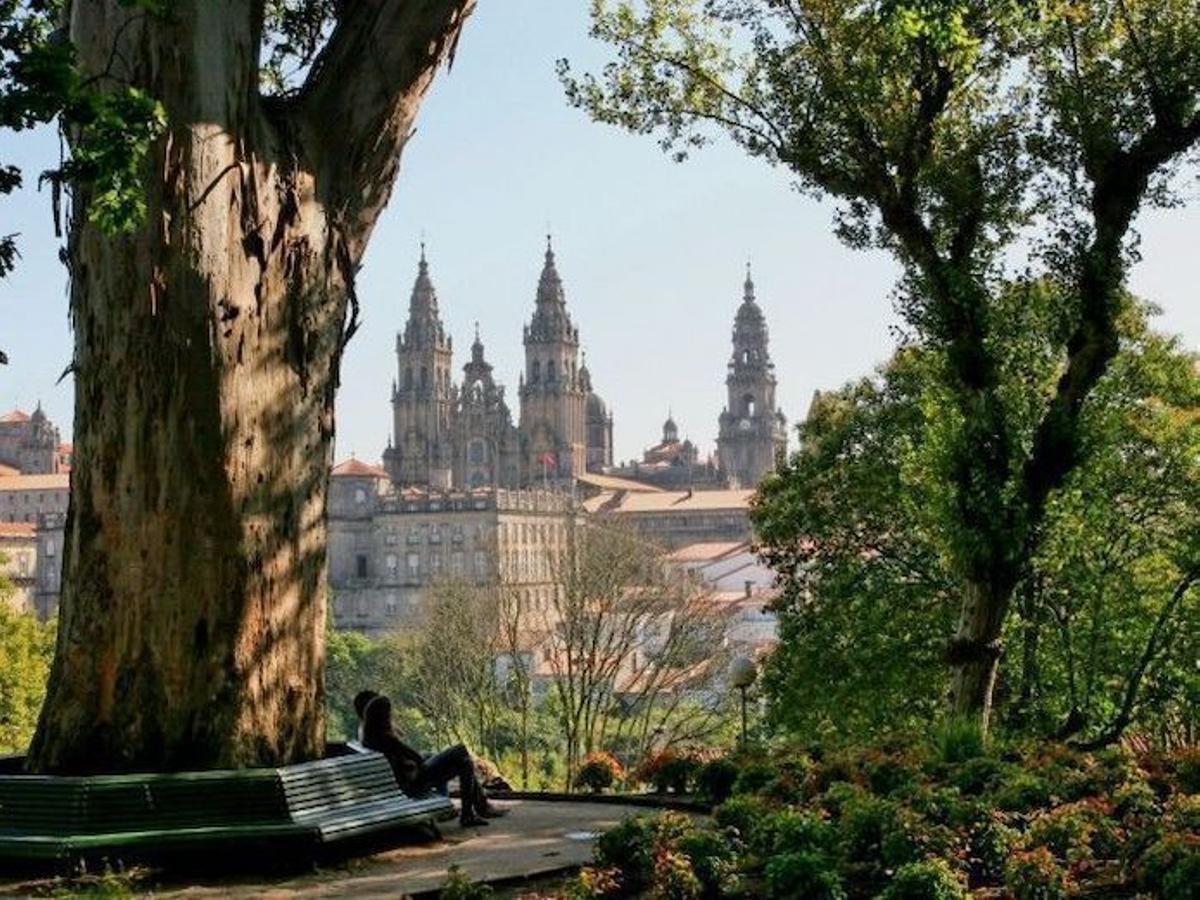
x,y
598,772
802,876
959,739
459,886
955,136
918,836
26,650
927,880
1036,875
716,779
856,520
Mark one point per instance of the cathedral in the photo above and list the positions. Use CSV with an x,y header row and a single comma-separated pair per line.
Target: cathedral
x,y
462,435
447,435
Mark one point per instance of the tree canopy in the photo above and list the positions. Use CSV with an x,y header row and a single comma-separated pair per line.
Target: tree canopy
x,y
977,142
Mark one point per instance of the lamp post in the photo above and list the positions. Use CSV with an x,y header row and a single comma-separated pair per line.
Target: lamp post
x,y
743,673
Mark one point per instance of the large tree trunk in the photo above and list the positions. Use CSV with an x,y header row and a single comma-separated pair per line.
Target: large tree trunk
x,y
207,347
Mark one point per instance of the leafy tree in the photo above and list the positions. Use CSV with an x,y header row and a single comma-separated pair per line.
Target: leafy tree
x,y
26,646
211,307
954,135
856,523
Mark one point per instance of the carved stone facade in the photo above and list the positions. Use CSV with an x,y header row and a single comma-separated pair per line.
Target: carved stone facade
x,y
752,436
461,436
30,444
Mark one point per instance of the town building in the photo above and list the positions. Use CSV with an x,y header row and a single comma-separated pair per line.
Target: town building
x,y
30,444
388,546
18,563
674,519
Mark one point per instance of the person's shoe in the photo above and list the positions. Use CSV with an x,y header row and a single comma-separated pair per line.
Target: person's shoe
x,y
472,821
494,812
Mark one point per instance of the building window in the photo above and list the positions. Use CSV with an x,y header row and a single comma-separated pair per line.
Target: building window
x,y
360,496
480,563
477,451
393,606
414,565
408,378
435,564
435,534
360,566
550,370
456,562
361,605
50,549
535,374
393,565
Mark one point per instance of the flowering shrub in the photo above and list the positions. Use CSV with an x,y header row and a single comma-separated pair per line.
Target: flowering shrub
x,y
1034,823
716,779
599,772
932,879
669,770
1036,875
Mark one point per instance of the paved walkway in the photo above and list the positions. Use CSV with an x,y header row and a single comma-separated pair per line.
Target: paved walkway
x,y
534,838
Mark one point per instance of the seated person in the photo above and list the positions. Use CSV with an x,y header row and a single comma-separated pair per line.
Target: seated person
x,y
414,773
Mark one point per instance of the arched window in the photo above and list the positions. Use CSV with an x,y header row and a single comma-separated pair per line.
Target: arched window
x,y
746,356
424,377
550,370
408,378
535,373
748,406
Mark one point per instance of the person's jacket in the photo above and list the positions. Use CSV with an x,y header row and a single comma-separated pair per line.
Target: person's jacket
x,y
378,735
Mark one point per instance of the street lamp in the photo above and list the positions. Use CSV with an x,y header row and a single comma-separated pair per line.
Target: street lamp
x,y
743,673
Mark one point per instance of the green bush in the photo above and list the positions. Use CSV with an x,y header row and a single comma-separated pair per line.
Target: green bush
x,y
1187,770
744,815
932,879
1036,875
460,887
875,830
713,858
598,772
1021,792
796,831
1163,860
891,774
1073,832
802,876
716,779
754,777
991,843
959,739
630,848
674,877
975,776
1182,880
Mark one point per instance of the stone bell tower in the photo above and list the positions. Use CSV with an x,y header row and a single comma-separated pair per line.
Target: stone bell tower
x,y
752,436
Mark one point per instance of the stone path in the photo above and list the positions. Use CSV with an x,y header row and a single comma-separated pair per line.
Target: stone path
x,y
533,839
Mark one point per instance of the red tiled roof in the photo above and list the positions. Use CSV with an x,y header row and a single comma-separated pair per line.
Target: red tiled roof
x,y
16,415
17,529
358,469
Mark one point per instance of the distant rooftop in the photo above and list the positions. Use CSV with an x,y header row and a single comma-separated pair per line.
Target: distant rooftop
x,y
356,468
669,501
59,481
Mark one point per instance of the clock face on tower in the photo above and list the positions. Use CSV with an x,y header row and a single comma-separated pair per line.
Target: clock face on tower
x,y
744,425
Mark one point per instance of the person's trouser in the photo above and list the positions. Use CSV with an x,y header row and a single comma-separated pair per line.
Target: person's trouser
x,y
456,763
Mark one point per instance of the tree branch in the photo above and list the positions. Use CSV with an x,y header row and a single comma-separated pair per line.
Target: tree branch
x,y
362,96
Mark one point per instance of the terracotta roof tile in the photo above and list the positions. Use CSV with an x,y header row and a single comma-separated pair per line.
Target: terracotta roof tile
x,y
356,468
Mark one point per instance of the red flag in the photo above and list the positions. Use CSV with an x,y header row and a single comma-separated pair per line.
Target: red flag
x,y
547,460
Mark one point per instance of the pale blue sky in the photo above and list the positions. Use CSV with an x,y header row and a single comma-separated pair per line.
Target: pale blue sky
x,y
652,252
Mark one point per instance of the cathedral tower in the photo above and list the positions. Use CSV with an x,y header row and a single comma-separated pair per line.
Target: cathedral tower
x,y
486,443
423,397
553,395
752,435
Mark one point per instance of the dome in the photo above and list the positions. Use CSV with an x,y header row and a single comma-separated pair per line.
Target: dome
x,y
670,430
596,408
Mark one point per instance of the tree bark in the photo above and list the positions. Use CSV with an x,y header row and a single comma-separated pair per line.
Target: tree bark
x,y
207,349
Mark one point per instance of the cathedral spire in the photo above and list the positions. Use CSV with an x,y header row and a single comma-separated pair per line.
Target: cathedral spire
x,y
550,286
748,286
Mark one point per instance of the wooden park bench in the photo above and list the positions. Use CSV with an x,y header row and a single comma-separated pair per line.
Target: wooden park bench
x,y
298,808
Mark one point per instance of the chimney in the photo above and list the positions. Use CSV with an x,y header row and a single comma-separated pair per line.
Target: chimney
x,y
749,589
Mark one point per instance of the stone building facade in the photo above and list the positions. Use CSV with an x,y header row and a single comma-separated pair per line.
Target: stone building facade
x,y
389,545
752,431
461,436
30,444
